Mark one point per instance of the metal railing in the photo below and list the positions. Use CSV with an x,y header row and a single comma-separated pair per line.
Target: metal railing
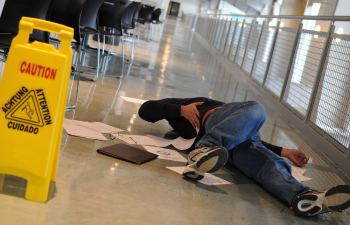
x,y
306,72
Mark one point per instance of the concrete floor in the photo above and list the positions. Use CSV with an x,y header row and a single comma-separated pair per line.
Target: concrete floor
x,y
95,189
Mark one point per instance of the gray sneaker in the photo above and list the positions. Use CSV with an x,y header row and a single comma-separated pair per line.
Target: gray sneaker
x,y
205,160
314,202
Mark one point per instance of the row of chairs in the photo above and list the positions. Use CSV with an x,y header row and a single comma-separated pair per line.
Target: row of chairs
x,y
86,17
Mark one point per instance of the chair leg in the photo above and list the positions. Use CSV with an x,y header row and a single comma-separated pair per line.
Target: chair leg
x,y
146,30
138,35
132,50
82,54
149,32
83,60
106,57
76,97
98,57
152,28
123,57
104,40
112,42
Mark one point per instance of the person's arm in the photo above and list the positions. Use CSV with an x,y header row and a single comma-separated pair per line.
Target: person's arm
x,y
155,110
171,108
296,156
274,148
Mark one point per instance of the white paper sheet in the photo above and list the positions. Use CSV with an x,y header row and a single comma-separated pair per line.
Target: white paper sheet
x,y
155,141
73,128
209,179
75,122
183,144
101,127
299,174
310,160
179,143
130,139
166,154
135,100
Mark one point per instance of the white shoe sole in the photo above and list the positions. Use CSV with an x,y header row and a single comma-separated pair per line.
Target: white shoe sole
x,y
335,199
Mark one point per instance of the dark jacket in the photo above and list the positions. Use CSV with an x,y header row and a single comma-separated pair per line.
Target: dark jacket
x,y
170,109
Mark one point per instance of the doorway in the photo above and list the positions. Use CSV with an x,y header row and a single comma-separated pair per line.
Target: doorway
x,y
173,8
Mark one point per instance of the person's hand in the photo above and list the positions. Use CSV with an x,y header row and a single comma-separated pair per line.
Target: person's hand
x,y
296,156
191,113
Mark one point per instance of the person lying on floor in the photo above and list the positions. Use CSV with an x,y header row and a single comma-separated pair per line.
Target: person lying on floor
x,y
229,133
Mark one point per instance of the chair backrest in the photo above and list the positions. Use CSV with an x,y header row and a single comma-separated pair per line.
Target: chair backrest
x,y
128,15
156,14
137,12
89,16
145,14
111,13
68,12
14,10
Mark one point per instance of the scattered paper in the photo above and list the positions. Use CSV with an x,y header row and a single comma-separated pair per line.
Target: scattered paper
x,y
74,122
155,141
183,144
89,130
166,154
73,128
299,174
101,127
130,139
135,100
179,143
209,179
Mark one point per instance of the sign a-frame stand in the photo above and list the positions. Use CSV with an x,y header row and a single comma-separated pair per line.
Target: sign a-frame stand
x,y
33,93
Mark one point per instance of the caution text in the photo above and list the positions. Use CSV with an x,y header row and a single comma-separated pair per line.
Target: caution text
x,y
38,70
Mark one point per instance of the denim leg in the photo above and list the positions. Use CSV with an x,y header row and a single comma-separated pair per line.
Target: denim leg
x,y
233,124
266,168
236,126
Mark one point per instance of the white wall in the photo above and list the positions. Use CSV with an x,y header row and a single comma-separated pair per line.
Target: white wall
x,y
188,6
343,10
214,5
204,7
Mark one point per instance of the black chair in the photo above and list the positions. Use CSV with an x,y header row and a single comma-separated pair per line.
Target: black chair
x,y
128,22
13,12
155,16
137,13
111,14
145,16
89,24
155,20
68,12
136,19
128,16
110,22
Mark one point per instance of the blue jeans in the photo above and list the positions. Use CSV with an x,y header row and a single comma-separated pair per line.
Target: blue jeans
x,y
236,126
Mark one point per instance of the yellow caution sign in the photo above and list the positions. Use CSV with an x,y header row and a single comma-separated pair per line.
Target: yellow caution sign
x,y
33,93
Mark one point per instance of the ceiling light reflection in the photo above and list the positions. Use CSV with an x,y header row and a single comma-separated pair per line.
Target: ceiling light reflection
x,y
166,54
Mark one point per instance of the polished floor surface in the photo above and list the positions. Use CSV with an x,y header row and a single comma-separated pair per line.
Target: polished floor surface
x,y
95,189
